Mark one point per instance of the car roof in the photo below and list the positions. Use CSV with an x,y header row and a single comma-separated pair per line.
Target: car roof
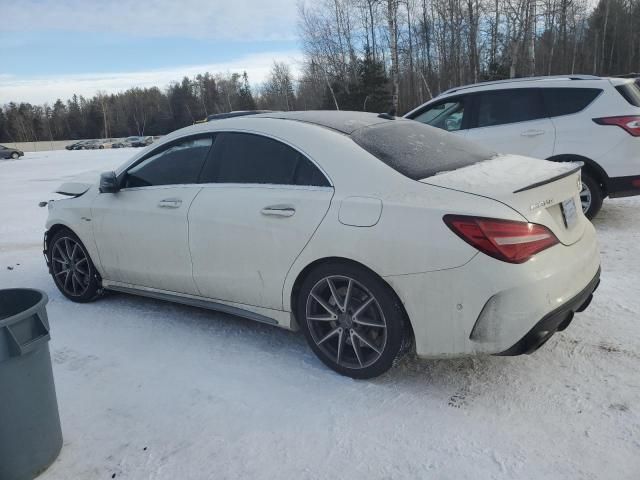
x,y
235,113
552,78
342,121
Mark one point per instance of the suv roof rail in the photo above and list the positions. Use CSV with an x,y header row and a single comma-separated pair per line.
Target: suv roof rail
x,y
523,79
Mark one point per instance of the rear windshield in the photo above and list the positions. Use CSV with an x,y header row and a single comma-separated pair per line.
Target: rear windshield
x,y
417,150
630,92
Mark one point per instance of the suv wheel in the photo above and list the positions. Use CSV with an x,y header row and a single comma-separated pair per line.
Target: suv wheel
x,y
590,196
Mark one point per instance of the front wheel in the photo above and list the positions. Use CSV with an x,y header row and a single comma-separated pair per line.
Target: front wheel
x,y
72,269
590,196
15,155
352,320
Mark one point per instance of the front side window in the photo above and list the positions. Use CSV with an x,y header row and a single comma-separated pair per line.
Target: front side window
x,y
447,115
565,101
177,164
249,158
502,107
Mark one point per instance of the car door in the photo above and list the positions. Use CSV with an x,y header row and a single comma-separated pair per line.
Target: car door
x,y
260,203
141,231
450,114
512,121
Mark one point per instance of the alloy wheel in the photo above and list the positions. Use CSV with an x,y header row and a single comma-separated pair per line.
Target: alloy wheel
x,y
585,197
71,268
346,322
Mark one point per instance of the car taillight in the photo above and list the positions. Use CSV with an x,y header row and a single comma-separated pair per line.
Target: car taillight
x,y
630,123
506,240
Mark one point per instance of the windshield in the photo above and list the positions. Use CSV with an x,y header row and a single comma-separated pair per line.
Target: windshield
x,y
416,150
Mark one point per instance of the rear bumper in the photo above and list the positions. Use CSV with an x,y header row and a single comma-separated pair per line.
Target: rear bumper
x,y
623,186
555,321
488,306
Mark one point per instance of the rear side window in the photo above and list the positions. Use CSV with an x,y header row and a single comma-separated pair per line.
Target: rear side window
x,y
177,164
565,101
249,158
417,150
630,92
501,107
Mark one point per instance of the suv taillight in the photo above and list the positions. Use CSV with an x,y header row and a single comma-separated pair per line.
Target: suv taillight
x,y
506,240
630,123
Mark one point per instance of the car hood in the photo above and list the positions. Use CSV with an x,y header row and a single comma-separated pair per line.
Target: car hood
x,y
73,189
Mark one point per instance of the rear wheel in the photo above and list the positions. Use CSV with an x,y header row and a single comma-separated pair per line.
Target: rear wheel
x,y
590,196
352,320
72,269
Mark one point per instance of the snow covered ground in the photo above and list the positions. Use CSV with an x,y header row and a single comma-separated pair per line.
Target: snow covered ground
x,y
150,390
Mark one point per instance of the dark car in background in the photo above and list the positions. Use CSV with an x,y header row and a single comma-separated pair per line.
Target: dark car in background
x,y
6,152
142,142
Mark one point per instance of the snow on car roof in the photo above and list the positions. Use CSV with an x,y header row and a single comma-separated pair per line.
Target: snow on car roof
x,y
343,121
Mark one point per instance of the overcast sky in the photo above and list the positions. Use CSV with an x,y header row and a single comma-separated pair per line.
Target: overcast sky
x,y
53,48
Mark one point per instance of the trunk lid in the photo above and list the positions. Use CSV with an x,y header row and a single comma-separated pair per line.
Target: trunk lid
x,y
539,190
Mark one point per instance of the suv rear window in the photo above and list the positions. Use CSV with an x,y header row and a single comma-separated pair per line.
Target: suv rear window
x,y
417,150
630,92
565,101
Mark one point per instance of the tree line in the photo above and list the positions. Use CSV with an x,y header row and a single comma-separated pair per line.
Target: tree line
x,y
371,55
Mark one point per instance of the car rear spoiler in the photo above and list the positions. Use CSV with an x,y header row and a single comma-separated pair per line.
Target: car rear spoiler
x,y
552,179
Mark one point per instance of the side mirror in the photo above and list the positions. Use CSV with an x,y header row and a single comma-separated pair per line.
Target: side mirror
x,y
108,182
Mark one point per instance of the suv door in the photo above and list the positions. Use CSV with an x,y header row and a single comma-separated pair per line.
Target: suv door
x,y
450,114
260,204
512,121
141,231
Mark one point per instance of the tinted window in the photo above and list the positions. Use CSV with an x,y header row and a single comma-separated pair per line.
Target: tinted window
x,y
630,92
508,106
447,115
565,101
178,164
247,158
416,150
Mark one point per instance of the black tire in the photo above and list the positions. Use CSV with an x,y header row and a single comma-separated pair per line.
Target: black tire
x,y
391,345
15,155
92,289
592,189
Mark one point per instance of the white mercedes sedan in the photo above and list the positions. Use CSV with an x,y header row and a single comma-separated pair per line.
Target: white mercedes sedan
x,y
369,233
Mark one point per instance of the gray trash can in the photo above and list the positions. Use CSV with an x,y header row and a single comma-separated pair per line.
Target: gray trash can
x,y
30,434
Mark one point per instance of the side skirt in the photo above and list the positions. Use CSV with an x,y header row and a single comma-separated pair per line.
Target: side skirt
x,y
194,301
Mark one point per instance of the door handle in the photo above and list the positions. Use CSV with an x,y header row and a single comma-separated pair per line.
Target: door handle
x,y
170,203
279,211
532,133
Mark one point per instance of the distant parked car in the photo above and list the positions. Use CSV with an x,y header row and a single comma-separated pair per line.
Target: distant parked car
x,y
80,145
6,152
583,118
105,143
74,146
128,142
142,142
